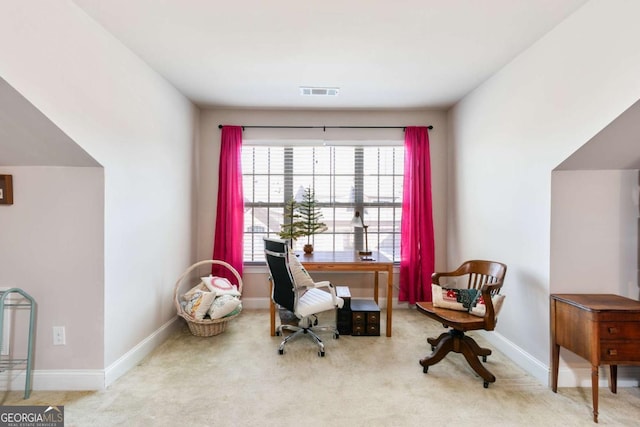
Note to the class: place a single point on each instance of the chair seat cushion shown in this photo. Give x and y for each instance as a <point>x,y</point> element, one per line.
<point>315,301</point>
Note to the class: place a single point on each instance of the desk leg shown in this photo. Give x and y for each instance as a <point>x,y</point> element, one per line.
<point>594,391</point>
<point>555,347</point>
<point>555,360</point>
<point>613,378</point>
<point>375,288</point>
<point>389,299</point>
<point>272,311</point>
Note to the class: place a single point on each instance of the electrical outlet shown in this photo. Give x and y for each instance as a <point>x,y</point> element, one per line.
<point>58,335</point>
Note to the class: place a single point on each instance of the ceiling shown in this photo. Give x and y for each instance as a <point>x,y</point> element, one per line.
<point>256,54</point>
<point>381,54</point>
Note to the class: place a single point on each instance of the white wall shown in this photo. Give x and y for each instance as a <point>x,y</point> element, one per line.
<point>255,279</point>
<point>594,232</point>
<point>510,133</point>
<point>142,131</point>
<point>52,246</point>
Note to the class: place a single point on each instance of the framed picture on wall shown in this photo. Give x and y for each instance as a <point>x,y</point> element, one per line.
<point>6,189</point>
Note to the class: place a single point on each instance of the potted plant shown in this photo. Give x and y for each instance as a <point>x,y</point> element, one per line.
<point>292,228</point>
<point>309,217</point>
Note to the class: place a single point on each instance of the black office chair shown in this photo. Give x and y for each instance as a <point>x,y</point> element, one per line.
<point>294,290</point>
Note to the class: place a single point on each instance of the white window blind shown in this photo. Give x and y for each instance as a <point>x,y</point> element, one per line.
<point>345,177</point>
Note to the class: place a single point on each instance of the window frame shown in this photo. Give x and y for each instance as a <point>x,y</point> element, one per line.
<point>358,204</point>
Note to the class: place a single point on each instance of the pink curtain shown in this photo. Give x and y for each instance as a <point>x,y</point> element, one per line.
<point>228,245</point>
<point>417,256</point>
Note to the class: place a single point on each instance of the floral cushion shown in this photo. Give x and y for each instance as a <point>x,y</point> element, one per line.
<point>235,311</point>
<point>199,287</point>
<point>199,304</point>
<point>222,306</point>
<point>454,299</point>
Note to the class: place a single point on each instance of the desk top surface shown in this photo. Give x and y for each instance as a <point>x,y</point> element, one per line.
<point>341,258</point>
<point>599,302</point>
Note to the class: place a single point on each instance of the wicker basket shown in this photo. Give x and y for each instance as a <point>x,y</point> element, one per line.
<point>205,327</point>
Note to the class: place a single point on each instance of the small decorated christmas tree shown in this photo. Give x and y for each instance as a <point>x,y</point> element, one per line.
<point>292,227</point>
<point>310,216</point>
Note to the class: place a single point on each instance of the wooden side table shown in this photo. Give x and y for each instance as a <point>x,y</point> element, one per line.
<point>602,328</point>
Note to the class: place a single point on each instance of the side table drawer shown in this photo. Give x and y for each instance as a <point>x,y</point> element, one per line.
<point>373,329</point>
<point>359,329</point>
<point>619,351</point>
<point>619,331</point>
<point>373,317</point>
<point>359,317</point>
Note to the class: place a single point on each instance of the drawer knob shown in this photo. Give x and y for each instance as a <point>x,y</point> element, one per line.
<point>612,352</point>
<point>613,330</point>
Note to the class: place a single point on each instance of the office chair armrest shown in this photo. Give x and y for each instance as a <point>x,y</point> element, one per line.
<point>331,289</point>
<point>322,284</point>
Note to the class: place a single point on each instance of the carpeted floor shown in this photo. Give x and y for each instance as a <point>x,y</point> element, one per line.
<point>238,379</point>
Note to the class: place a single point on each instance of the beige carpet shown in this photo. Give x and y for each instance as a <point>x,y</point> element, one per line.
<point>238,379</point>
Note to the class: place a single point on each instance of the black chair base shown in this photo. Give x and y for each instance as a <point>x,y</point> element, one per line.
<point>457,342</point>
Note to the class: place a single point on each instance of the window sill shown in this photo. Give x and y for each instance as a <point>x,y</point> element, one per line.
<point>261,268</point>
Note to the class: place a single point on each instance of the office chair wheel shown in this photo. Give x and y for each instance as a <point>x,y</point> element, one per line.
<point>277,333</point>
<point>321,353</point>
<point>281,351</point>
<point>486,384</point>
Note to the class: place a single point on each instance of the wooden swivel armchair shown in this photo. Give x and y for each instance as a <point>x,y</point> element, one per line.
<point>486,277</point>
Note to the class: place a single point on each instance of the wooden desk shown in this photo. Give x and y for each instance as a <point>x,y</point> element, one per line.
<point>348,261</point>
<point>602,328</point>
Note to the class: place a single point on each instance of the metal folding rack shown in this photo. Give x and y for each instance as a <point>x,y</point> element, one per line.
<point>7,363</point>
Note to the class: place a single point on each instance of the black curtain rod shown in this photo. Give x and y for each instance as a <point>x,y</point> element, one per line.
<point>325,127</point>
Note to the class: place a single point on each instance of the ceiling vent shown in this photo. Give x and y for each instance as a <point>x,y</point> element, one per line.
<point>319,91</point>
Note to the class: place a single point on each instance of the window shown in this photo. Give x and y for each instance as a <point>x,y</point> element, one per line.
<point>345,177</point>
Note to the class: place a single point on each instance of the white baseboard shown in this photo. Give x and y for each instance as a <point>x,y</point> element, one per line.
<point>55,380</point>
<point>580,376</point>
<point>88,379</point>
<point>575,375</point>
<point>255,303</point>
<point>139,352</point>
<point>533,366</point>
<point>98,379</point>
